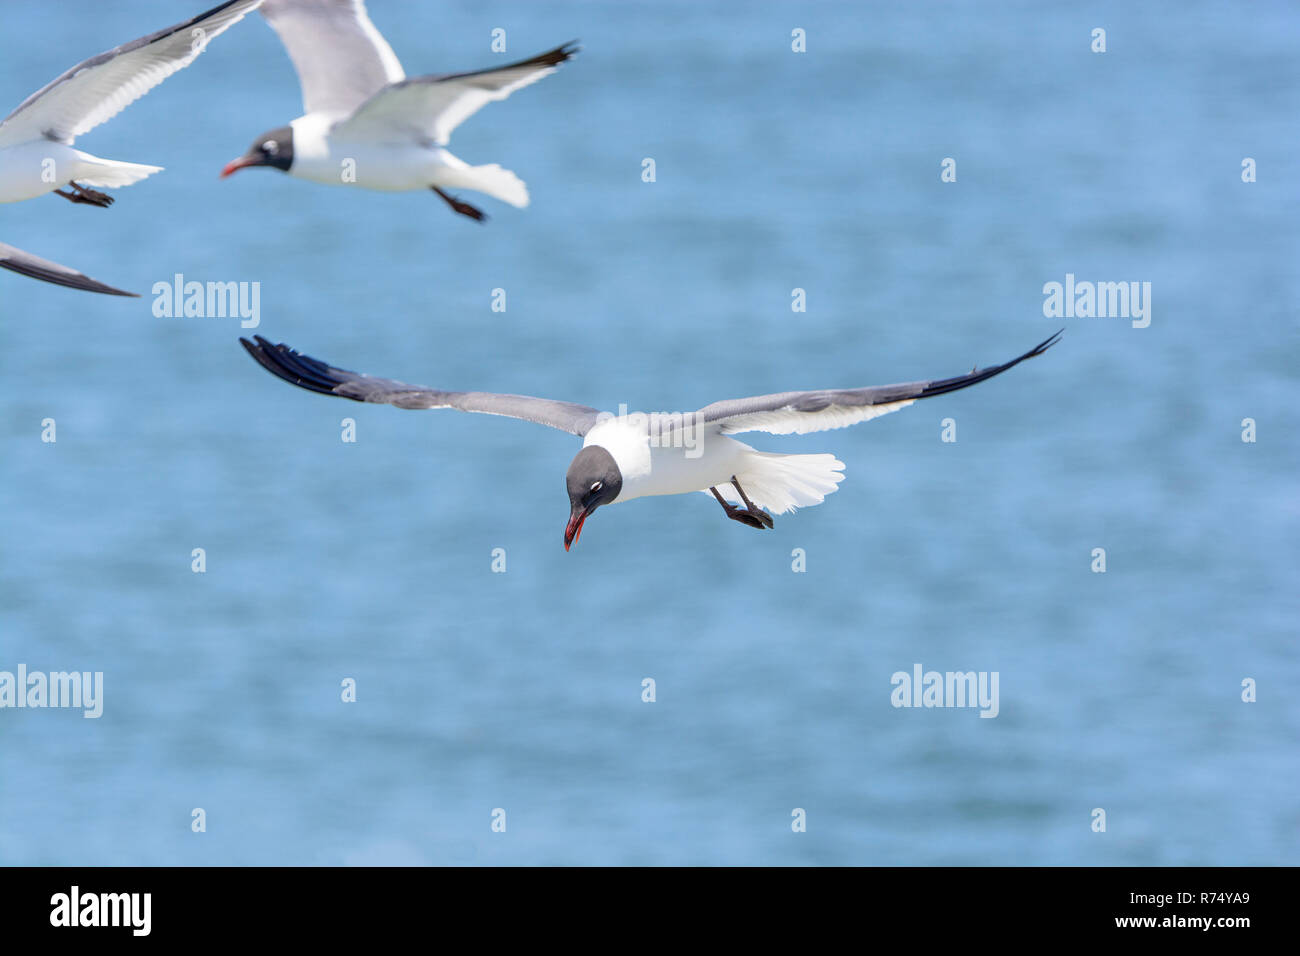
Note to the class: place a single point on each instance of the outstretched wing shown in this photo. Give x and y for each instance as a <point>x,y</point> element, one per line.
<point>341,59</point>
<point>430,107</point>
<point>29,265</point>
<point>316,376</point>
<point>798,413</point>
<point>95,91</point>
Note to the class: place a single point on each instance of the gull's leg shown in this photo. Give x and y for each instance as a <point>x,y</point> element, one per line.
<point>80,194</point>
<point>737,514</point>
<point>92,196</point>
<point>464,208</point>
<point>758,513</point>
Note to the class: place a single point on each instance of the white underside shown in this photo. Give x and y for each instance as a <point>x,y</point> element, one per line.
<point>393,167</point>
<point>35,168</point>
<point>779,483</point>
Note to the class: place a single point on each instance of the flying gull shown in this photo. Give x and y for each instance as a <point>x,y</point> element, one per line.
<point>366,124</point>
<point>631,456</point>
<point>36,140</point>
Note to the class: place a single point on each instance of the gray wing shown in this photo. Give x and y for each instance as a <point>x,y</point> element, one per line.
<point>430,107</point>
<point>316,376</point>
<point>27,264</point>
<point>340,58</point>
<point>96,90</point>
<point>798,413</point>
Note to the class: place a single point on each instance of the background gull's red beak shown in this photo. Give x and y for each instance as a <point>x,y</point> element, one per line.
<point>236,164</point>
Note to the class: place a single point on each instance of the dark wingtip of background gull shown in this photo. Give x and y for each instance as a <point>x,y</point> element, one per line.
<point>24,263</point>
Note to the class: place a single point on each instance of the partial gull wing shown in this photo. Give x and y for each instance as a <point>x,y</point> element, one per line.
<point>798,413</point>
<point>341,59</point>
<point>95,91</point>
<point>27,264</point>
<point>315,376</point>
<point>430,107</point>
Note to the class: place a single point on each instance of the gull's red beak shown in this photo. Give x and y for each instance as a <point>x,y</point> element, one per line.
<point>236,164</point>
<point>573,529</point>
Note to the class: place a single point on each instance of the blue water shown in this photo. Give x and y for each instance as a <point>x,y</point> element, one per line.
<point>522,690</point>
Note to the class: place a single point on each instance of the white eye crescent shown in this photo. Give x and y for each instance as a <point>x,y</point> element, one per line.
<point>596,486</point>
<point>271,146</point>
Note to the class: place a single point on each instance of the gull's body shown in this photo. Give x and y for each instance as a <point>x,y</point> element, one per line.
<point>651,464</point>
<point>37,151</point>
<point>387,167</point>
<point>625,457</point>
<point>366,124</point>
<point>24,166</point>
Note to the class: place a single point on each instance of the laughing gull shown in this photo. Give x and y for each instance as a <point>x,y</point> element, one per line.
<point>631,456</point>
<point>36,151</point>
<point>366,124</point>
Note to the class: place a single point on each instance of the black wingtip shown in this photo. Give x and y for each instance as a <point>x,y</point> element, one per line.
<point>984,374</point>
<point>1038,349</point>
<point>57,275</point>
<point>294,367</point>
<point>87,284</point>
<point>1044,345</point>
<point>562,53</point>
<point>109,290</point>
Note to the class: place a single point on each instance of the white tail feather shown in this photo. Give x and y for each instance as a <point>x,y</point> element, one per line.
<point>782,483</point>
<point>496,182</point>
<point>110,173</point>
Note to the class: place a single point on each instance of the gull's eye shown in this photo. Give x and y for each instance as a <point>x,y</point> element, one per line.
<point>271,146</point>
<point>596,485</point>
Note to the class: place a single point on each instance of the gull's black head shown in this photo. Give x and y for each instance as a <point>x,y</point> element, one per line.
<point>273,149</point>
<point>593,480</point>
